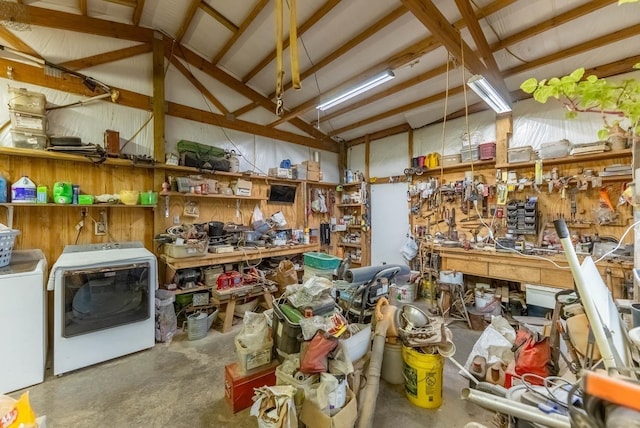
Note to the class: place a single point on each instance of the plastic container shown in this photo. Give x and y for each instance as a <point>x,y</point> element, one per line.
<point>449,160</point>
<point>540,295</point>
<point>23,191</point>
<point>556,149</point>
<point>469,154</point>
<point>321,260</point>
<point>28,122</point>
<point>250,360</point>
<point>186,250</point>
<point>487,151</point>
<point>406,293</point>
<point>392,364</point>
<point>148,198</point>
<point>29,140</point>
<point>359,343</point>
<point>26,101</point>
<point>3,189</point>
<point>423,378</point>
<point>7,240</point>
<point>520,154</point>
<point>451,277</point>
<point>310,272</point>
<point>285,333</point>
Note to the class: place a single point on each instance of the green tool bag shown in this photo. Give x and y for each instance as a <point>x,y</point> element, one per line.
<point>202,156</point>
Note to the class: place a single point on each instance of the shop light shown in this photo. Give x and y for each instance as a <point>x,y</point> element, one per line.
<point>488,93</point>
<point>357,90</point>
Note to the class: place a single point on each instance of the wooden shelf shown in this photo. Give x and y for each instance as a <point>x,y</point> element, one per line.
<point>44,154</point>
<point>480,164</point>
<point>76,205</point>
<point>612,154</point>
<point>354,184</point>
<point>348,205</point>
<point>196,171</point>
<point>193,290</point>
<point>350,245</point>
<point>240,255</point>
<point>214,195</point>
<point>615,178</point>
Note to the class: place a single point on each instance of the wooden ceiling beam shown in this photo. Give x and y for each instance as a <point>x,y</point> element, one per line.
<point>190,113</point>
<point>317,16</point>
<point>84,24</point>
<point>469,16</point>
<point>17,43</point>
<point>128,3</point>
<point>243,27</point>
<point>193,7</point>
<point>83,7</point>
<point>137,13</point>
<point>405,127</point>
<point>212,70</point>
<point>576,49</point>
<point>563,18</point>
<point>106,57</point>
<point>219,17</point>
<point>199,86</point>
<point>405,56</point>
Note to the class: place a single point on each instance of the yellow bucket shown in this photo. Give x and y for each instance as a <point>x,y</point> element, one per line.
<point>423,378</point>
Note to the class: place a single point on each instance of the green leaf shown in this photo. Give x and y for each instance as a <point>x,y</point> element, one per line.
<point>554,81</point>
<point>577,74</point>
<point>603,134</point>
<point>529,85</point>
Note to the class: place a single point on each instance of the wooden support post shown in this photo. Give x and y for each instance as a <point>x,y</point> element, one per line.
<point>504,130</point>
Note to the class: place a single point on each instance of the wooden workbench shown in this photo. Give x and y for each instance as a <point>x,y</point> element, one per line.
<point>524,269</point>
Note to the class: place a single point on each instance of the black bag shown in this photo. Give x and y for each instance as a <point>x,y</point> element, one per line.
<point>205,162</point>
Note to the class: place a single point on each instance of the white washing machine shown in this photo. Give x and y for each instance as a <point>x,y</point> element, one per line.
<point>23,317</point>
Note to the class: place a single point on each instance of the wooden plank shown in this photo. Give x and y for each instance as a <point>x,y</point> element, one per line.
<point>470,267</point>
<point>555,278</point>
<point>219,17</point>
<point>106,57</point>
<point>241,30</point>
<point>198,85</point>
<point>137,12</point>
<point>193,7</point>
<point>158,98</point>
<point>17,43</point>
<point>504,130</point>
<point>514,272</point>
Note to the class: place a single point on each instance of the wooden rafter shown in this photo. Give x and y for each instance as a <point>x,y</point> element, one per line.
<point>563,18</point>
<point>128,3</point>
<point>219,17</point>
<point>137,13</point>
<point>212,70</point>
<point>243,27</point>
<point>198,85</point>
<point>106,57</point>
<point>83,7</point>
<point>405,127</point>
<point>84,24</point>
<point>193,7</point>
<point>317,16</point>
<point>17,43</point>
<point>466,10</point>
<point>405,56</point>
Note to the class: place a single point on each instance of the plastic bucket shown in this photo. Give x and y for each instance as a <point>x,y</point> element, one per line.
<point>392,364</point>
<point>423,378</point>
<point>406,293</point>
<point>199,323</point>
<point>483,298</point>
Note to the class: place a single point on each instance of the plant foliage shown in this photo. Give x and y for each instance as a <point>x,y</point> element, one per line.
<point>590,94</point>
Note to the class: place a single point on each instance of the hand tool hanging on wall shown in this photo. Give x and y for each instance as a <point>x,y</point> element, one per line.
<point>293,51</point>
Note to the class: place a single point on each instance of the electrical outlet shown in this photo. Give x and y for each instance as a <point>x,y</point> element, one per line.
<point>101,226</point>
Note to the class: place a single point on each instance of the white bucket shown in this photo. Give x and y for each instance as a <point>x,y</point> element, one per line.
<point>406,293</point>
<point>392,364</point>
<point>451,277</point>
<point>484,299</point>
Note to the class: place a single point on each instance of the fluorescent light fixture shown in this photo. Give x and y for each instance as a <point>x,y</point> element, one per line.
<point>357,90</point>
<point>488,93</point>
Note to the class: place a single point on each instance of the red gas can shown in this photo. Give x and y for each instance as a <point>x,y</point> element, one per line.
<point>229,280</point>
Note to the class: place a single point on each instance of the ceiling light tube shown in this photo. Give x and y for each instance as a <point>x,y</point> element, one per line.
<point>357,90</point>
<point>488,93</point>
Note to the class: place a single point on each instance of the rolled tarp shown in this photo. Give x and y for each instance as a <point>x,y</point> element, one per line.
<point>365,274</point>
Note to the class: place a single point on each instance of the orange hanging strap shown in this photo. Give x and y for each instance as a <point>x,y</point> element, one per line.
<point>279,64</point>
<point>293,46</point>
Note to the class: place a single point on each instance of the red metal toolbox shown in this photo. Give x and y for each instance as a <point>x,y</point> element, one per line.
<point>238,385</point>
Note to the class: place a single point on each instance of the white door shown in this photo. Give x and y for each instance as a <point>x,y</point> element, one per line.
<point>389,222</point>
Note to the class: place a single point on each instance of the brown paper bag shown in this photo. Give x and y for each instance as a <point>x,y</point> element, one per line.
<point>286,275</point>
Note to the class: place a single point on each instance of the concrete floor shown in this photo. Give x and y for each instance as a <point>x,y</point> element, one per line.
<point>182,385</point>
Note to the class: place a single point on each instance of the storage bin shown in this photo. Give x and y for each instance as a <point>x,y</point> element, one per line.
<point>28,140</point>
<point>285,333</point>
<point>239,386</point>
<point>310,272</point>
<point>186,250</point>
<point>555,149</point>
<point>487,151</point>
<point>7,240</point>
<point>250,360</point>
<point>321,260</point>
<point>469,154</point>
<point>540,295</point>
<point>26,101</point>
<point>520,154</point>
<point>28,122</point>
<point>449,160</point>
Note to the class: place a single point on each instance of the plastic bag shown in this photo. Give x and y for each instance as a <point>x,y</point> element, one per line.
<point>274,407</point>
<point>409,249</point>
<point>254,333</point>
<point>166,320</point>
<point>16,413</point>
<point>493,346</point>
<point>532,354</point>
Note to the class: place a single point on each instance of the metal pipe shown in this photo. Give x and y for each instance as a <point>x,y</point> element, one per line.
<point>515,408</point>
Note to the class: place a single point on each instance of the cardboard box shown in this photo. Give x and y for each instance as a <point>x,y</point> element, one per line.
<point>300,172</point>
<point>280,172</point>
<point>243,187</point>
<point>313,175</point>
<point>238,385</point>
<point>312,166</point>
<point>313,417</point>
